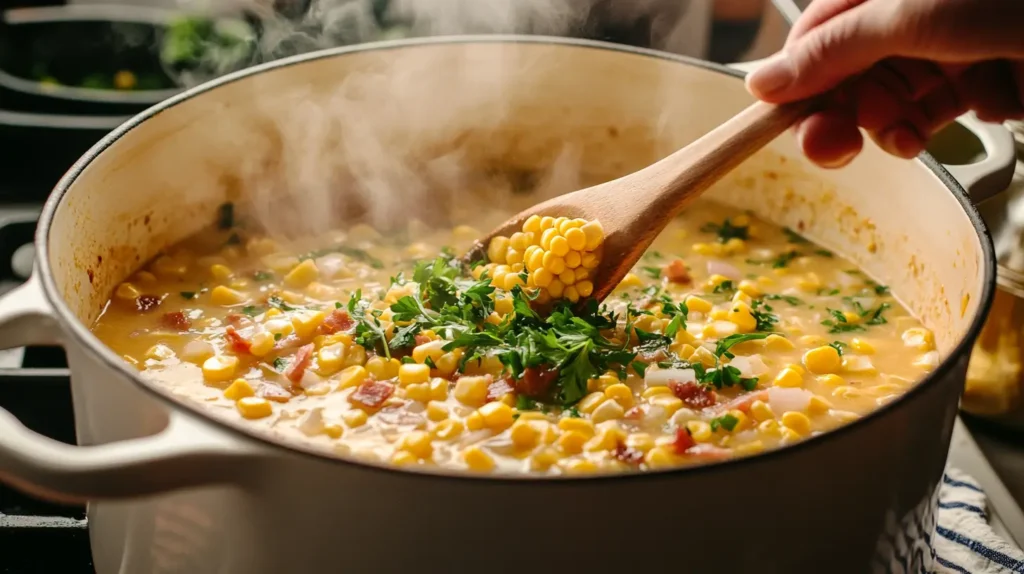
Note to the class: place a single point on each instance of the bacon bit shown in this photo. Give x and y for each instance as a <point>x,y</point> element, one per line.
<point>743,402</point>
<point>676,272</point>
<point>627,454</point>
<point>422,339</point>
<point>693,395</point>
<point>238,343</point>
<point>177,320</point>
<point>684,442</point>
<point>338,320</point>
<point>146,303</point>
<point>498,389</point>
<point>536,381</point>
<point>298,365</point>
<point>273,392</point>
<point>398,416</point>
<point>235,319</point>
<point>371,394</point>
<point>708,452</point>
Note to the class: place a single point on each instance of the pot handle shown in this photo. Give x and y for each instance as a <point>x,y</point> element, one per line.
<point>188,452</point>
<point>982,179</point>
<point>993,174</point>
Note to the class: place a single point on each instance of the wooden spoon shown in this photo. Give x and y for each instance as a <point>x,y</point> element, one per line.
<point>635,208</point>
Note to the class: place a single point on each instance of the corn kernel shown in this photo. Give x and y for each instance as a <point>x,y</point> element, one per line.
<point>220,368</point>
<point>798,422</point>
<point>383,369</point>
<point>261,343</point>
<point>220,272</point>
<point>404,458</point>
<point>306,323</point>
<point>471,391</point>
<point>571,442</point>
<point>919,338</point>
<point>741,315</point>
<point>589,260</point>
<point>419,392</point>
<point>606,439</point>
<point>741,297</point>
<point>544,459</point>
<point>413,373</point>
<point>822,360</point>
<point>769,428</point>
<point>556,288</point>
<point>478,460</point>
<point>497,248</point>
<point>655,391</point>
<point>553,263</point>
<point>581,425</point>
<point>861,346</point>
<point>559,246</point>
<point>594,233</point>
<point>352,376</point>
<point>302,274</point>
<point>591,402</point>
<point>254,407</point>
<point>640,441</point>
<point>584,288</point>
<point>126,292</point>
<point>609,410</point>
<point>698,305</point>
<point>497,415</point>
<point>437,411</point>
<point>160,352</point>
<point>832,380</point>
<point>239,390</point>
<point>579,466</point>
<point>761,411</point>
<point>778,343</point>
<point>818,405</point>
<point>438,389</point>
<point>748,448</point>
<point>789,377</point>
<point>659,457</point>
<point>532,224</point>
<point>524,435</point>
<point>629,281</point>
<point>225,296</point>
<point>334,430</point>
<point>700,431</point>
<point>620,393</point>
<point>418,443</point>
<point>809,282</point>
<point>354,418</point>
<point>448,429</point>
<point>705,249</point>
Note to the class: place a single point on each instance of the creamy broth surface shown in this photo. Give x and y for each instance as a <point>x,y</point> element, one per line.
<point>742,337</point>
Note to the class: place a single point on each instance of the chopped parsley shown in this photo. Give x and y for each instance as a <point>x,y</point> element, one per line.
<point>188,294</point>
<point>262,276</point>
<point>723,346</point>
<point>793,236</point>
<point>252,310</point>
<point>794,301</point>
<point>429,362</point>
<point>824,253</point>
<point>726,230</point>
<point>640,367</point>
<point>824,291</point>
<point>280,364</point>
<point>725,288</point>
<point>779,262</point>
<point>727,422</point>
<point>279,304</point>
<point>839,324</point>
<point>762,313</point>
<point>233,239</point>
<point>653,255</point>
<point>653,272</point>
<point>839,346</point>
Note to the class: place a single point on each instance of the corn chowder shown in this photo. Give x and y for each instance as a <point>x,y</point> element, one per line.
<point>731,336</point>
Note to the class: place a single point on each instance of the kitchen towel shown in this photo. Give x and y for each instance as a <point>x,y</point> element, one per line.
<point>962,540</point>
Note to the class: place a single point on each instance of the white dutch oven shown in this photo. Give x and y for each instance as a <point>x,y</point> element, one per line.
<point>173,488</point>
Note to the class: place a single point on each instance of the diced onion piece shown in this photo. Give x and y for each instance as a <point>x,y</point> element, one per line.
<point>750,366</point>
<point>858,364</point>
<point>784,399</point>
<point>662,377</point>
<point>312,423</point>
<point>717,267</point>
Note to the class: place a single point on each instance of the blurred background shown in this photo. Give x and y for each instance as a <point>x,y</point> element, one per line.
<point>72,71</point>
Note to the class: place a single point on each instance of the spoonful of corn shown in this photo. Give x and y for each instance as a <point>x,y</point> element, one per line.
<point>580,245</point>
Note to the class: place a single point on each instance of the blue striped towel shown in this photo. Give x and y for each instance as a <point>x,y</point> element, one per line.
<point>963,541</point>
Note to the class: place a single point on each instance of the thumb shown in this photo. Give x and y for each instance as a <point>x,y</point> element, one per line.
<point>828,54</point>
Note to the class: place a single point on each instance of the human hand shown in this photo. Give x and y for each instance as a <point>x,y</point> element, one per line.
<point>900,69</point>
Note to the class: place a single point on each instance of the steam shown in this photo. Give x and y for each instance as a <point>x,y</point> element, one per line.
<point>409,134</point>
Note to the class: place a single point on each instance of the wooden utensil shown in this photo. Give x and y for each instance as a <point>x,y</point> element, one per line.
<point>635,208</point>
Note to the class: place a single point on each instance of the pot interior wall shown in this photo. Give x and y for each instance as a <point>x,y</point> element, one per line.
<point>405,131</point>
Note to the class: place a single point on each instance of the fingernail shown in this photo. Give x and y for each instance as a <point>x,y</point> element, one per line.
<point>903,142</point>
<point>841,161</point>
<point>773,76</point>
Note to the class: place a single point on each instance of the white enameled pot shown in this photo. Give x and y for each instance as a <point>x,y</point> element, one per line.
<point>174,488</point>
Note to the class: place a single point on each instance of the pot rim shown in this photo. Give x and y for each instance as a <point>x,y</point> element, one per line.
<point>81,334</point>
